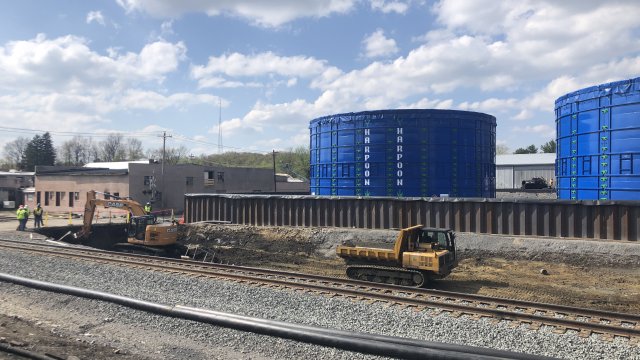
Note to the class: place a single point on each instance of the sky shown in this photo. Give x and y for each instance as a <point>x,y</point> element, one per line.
<point>264,69</point>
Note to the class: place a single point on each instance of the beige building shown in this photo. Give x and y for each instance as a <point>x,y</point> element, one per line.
<point>64,189</point>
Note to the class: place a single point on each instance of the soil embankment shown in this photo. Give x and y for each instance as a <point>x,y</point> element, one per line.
<point>595,274</point>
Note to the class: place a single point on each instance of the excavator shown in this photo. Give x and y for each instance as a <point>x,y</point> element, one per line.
<point>419,254</point>
<point>144,234</point>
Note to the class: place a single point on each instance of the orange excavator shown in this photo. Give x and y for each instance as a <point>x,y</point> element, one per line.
<point>144,234</point>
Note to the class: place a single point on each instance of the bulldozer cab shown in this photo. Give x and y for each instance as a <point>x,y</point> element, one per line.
<point>138,226</point>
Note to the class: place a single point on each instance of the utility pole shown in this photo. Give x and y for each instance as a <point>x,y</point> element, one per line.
<point>164,147</point>
<point>275,189</point>
<point>220,149</point>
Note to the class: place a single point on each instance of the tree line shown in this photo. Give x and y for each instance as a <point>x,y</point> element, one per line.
<point>24,154</point>
<point>548,147</point>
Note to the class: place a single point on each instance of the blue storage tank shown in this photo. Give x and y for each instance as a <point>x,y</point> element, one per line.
<point>598,142</point>
<point>404,153</point>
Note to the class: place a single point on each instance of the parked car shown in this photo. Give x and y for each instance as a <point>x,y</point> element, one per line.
<point>535,183</point>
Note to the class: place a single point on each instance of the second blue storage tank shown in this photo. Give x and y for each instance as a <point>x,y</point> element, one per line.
<point>410,153</point>
<point>598,142</point>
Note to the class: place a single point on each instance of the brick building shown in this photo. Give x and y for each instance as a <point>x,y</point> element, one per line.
<point>63,189</point>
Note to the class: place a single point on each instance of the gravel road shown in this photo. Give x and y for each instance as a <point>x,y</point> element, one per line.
<point>154,337</point>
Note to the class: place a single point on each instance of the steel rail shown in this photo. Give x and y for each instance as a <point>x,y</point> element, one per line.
<point>368,291</point>
<point>351,341</point>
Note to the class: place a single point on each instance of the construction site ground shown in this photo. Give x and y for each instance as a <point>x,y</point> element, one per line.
<point>591,274</point>
<point>607,279</point>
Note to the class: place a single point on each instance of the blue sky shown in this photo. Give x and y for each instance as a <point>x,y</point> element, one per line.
<point>140,67</point>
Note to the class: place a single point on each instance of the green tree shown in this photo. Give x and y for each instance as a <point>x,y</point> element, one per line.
<point>294,162</point>
<point>548,147</point>
<point>39,151</point>
<point>531,149</point>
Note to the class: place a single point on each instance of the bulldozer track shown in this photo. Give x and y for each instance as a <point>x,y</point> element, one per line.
<point>585,322</point>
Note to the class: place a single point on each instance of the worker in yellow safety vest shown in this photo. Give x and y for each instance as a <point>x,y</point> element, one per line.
<point>22,218</point>
<point>147,208</point>
<point>37,216</point>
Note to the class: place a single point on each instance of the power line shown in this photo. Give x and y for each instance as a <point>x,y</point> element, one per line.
<point>75,133</point>
<point>124,134</point>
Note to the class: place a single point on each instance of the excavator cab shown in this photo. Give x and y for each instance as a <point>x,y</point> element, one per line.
<point>138,226</point>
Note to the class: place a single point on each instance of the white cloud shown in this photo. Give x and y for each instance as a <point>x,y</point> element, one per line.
<point>62,84</point>
<point>378,45</point>
<point>95,16</point>
<point>258,12</point>
<point>166,27</point>
<point>67,63</point>
<point>263,64</point>
<point>237,64</point>
<point>384,6</point>
<point>150,100</point>
<point>542,129</point>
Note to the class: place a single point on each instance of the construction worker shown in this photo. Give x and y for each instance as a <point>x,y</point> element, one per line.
<point>147,208</point>
<point>22,218</point>
<point>37,216</point>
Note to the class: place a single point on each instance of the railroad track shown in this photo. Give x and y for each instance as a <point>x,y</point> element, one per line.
<point>609,325</point>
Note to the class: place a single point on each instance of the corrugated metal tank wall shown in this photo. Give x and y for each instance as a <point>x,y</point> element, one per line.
<point>403,153</point>
<point>598,138</point>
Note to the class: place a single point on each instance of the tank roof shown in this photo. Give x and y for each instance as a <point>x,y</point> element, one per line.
<point>592,92</point>
<point>439,112</point>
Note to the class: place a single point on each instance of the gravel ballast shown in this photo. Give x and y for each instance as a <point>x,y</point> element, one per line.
<point>154,336</point>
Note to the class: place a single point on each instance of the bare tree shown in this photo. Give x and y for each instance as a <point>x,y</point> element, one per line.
<point>134,149</point>
<point>112,148</point>
<point>172,156</point>
<point>76,152</point>
<point>502,150</point>
<point>15,151</point>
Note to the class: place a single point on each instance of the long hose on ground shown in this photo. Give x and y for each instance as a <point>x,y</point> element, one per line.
<point>351,341</point>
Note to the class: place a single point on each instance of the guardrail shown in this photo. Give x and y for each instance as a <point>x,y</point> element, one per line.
<point>611,220</point>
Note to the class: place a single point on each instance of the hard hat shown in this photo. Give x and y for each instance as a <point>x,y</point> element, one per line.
<point>38,204</point>
<point>148,203</point>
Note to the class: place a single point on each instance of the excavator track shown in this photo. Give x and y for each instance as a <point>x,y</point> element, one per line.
<point>388,275</point>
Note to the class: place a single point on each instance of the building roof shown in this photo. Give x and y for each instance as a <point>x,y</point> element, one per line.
<point>115,165</point>
<point>75,171</point>
<point>526,159</point>
<point>17,173</point>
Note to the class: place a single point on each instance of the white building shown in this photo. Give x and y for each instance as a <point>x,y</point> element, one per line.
<point>512,169</point>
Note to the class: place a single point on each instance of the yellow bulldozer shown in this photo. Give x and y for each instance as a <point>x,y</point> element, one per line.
<point>144,234</point>
<point>418,255</point>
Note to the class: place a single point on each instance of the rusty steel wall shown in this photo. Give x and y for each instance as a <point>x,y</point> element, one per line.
<point>611,220</point>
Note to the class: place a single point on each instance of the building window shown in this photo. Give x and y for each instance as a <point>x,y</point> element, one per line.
<point>76,196</point>
<point>46,198</point>
<point>221,176</point>
<point>147,180</point>
<point>57,198</point>
<point>209,179</point>
<point>189,180</point>
<point>71,197</point>
<point>116,195</point>
<point>29,197</point>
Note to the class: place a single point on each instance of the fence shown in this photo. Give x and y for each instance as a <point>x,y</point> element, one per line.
<point>612,220</point>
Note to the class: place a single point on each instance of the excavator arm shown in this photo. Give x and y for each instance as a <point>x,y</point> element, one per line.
<point>90,207</point>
